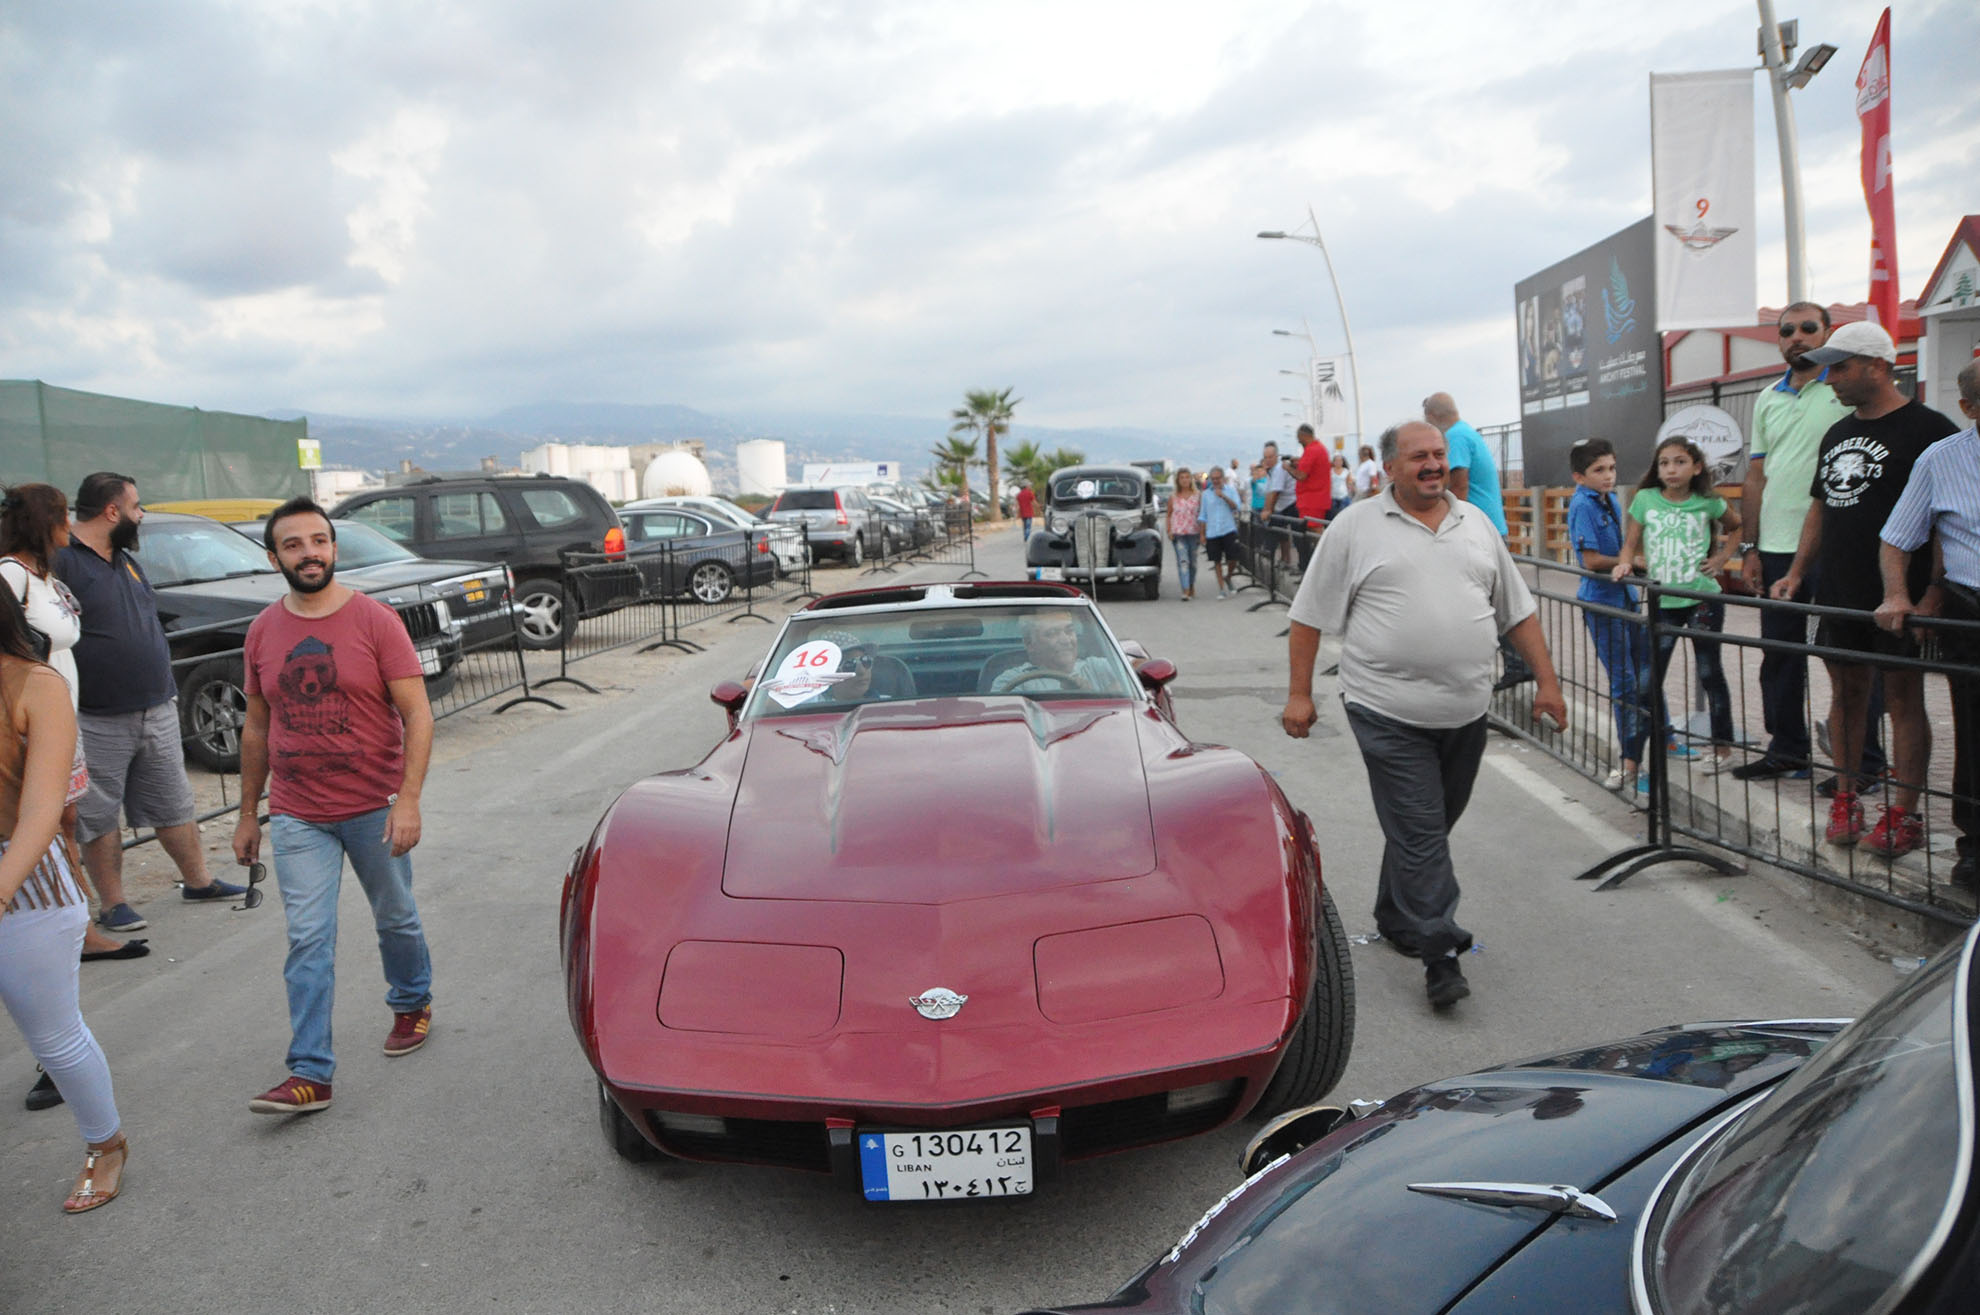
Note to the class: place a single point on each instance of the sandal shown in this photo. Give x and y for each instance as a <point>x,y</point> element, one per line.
<point>88,1195</point>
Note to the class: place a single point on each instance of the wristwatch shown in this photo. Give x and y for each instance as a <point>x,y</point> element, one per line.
<point>1746,548</point>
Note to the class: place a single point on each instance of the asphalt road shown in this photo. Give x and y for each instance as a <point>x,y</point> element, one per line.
<point>472,1174</point>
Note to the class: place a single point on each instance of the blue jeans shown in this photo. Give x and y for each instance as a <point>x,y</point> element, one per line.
<point>1693,622</point>
<point>309,867</point>
<point>1624,650</point>
<point>1185,546</point>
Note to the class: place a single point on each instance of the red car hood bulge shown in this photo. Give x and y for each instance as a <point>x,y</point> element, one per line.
<point>939,800</point>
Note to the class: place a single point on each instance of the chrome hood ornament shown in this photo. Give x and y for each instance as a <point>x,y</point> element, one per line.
<point>938,1002</point>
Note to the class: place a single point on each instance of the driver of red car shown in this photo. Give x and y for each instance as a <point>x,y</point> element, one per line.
<point>1051,650</point>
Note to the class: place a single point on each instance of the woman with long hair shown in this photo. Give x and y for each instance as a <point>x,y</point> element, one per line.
<point>1185,529</point>
<point>34,523</point>
<point>42,911</point>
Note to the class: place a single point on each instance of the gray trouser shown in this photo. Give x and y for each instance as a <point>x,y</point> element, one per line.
<point>1421,779</point>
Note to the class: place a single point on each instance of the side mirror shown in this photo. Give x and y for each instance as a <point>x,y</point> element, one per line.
<point>1156,672</point>
<point>1291,1133</point>
<point>730,695</point>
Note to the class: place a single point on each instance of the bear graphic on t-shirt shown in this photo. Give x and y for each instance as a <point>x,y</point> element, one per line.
<point>314,705</point>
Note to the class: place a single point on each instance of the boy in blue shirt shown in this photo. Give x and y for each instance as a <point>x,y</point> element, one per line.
<point>1595,531</point>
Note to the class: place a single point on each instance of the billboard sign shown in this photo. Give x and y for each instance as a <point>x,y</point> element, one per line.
<point>1590,362</point>
<point>853,472</point>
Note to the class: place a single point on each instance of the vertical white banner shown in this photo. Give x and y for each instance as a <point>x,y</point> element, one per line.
<point>1330,402</point>
<point>1701,164</point>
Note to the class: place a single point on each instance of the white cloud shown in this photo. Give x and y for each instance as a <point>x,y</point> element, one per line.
<point>865,205</point>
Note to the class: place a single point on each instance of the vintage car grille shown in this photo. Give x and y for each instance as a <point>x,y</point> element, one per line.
<point>1138,1121</point>
<point>754,1141</point>
<point>1093,542</point>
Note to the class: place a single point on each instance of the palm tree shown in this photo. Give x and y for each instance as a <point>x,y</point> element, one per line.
<point>952,462</point>
<point>986,413</point>
<point>1060,458</point>
<point>1024,464</point>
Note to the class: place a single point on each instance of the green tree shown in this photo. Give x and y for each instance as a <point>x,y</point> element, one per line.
<point>1025,464</point>
<point>952,462</point>
<point>986,413</point>
<point>1060,458</point>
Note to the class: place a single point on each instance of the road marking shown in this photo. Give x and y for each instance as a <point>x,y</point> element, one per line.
<point>1546,792</point>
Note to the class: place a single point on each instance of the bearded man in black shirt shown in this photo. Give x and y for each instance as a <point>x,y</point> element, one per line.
<point>1865,462</point>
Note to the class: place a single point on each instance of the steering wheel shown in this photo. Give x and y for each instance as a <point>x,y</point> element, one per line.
<point>1057,680</point>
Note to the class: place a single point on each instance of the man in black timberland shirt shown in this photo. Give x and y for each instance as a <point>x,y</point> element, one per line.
<point>1865,462</point>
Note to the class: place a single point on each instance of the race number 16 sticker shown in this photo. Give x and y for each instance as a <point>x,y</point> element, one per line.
<point>808,671</point>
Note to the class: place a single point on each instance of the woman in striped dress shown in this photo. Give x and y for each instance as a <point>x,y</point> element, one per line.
<point>42,913</point>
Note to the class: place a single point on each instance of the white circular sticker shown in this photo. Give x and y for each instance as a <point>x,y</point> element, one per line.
<point>805,673</point>
<point>1087,488</point>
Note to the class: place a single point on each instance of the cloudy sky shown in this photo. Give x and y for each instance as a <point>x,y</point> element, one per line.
<point>442,209</point>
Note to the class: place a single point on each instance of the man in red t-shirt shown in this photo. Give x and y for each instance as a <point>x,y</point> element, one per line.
<point>1313,489</point>
<point>1027,507</point>
<point>337,708</point>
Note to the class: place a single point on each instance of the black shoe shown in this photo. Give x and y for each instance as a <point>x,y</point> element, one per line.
<point>1966,873</point>
<point>1444,982</point>
<point>1768,769</point>
<point>43,1095</point>
<point>1409,946</point>
<point>1826,787</point>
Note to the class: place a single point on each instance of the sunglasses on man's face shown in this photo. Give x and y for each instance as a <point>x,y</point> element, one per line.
<point>257,873</point>
<point>1809,327</point>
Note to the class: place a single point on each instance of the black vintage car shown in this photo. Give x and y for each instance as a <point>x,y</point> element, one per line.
<point>1100,526</point>
<point>1749,1168</point>
<point>211,582</point>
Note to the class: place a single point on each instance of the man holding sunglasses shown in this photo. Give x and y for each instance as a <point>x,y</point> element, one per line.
<point>336,706</point>
<point>1789,420</point>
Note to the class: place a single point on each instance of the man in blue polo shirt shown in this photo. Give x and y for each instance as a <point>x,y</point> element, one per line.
<point>1474,477</point>
<point>128,713</point>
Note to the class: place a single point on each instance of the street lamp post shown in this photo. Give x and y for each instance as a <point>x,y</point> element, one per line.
<point>1354,371</point>
<point>1780,80</point>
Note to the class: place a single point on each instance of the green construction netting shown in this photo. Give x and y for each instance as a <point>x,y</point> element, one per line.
<point>58,435</point>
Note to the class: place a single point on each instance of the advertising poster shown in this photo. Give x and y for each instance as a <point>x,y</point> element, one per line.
<point>1590,362</point>
<point>1701,165</point>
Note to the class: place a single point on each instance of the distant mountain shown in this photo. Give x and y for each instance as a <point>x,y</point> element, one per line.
<point>382,443</point>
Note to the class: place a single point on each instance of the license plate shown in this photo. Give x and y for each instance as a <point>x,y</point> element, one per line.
<point>1051,573</point>
<point>429,662</point>
<point>945,1166</point>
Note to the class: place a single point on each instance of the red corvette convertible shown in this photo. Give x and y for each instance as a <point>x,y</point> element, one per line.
<point>953,901</point>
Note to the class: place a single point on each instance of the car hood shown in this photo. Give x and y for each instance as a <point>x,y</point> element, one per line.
<point>402,575</point>
<point>1330,1215</point>
<point>206,601</point>
<point>939,800</point>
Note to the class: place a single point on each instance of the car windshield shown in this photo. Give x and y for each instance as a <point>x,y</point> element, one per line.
<point>1828,1197</point>
<point>1032,651</point>
<point>358,544</point>
<point>1087,487</point>
<point>175,552</point>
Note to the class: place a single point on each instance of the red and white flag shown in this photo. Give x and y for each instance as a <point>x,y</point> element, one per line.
<point>1873,107</point>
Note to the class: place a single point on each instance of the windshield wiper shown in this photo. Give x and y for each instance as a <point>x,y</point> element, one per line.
<point>215,579</point>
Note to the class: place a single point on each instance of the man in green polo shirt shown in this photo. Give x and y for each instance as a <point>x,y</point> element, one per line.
<point>1789,420</point>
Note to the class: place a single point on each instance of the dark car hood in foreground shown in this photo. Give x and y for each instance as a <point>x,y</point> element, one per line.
<point>988,795</point>
<point>1367,1244</point>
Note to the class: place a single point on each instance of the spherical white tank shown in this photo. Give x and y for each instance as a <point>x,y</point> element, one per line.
<point>760,466</point>
<point>676,474</point>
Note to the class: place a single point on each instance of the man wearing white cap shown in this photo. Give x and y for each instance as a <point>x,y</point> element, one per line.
<point>1865,462</point>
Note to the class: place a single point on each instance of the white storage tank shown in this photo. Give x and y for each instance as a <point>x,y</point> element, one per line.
<point>676,474</point>
<point>760,466</point>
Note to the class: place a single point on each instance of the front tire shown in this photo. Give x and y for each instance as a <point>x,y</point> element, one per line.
<point>711,583</point>
<point>620,1134</point>
<point>212,709</point>
<point>857,552</point>
<point>1317,1055</point>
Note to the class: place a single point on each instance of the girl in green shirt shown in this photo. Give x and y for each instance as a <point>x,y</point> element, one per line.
<point>1671,522</point>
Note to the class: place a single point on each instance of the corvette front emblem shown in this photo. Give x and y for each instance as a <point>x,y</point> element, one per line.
<point>938,1002</point>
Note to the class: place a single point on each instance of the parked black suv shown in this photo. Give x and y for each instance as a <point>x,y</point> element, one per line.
<point>526,522</point>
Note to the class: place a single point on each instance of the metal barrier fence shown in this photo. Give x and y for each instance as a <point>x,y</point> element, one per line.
<point>647,596</point>
<point>1272,557</point>
<point>945,537</point>
<point>1607,662</point>
<point>463,629</point>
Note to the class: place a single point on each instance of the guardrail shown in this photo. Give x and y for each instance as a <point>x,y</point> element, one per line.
<point>945,537</point>
<point>1695,812</point>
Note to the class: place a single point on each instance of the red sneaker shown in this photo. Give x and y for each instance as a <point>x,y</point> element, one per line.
<point>1845,819</point>
<point>1897,832</point>
<point>294,1096</point>
<point>408,1031</point>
